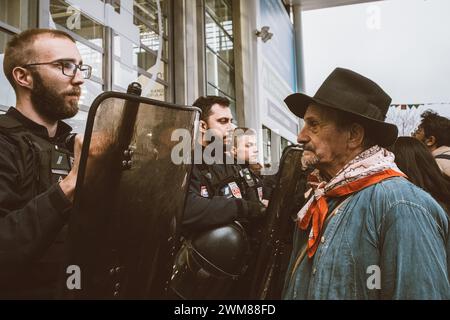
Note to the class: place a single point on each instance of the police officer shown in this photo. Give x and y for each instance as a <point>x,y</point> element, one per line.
<point>215,195</point>
<point>215,252</point>
<point>37,169</point>
<point>245,152</point>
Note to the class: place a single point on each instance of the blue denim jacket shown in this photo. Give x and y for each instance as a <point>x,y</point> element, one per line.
<point>388,241</point>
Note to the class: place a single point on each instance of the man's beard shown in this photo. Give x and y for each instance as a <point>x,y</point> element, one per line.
<point>51,104</point>
<point>309,160</point>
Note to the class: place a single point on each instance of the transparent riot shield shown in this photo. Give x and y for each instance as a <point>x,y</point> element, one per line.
<point>274,253</point>
<point>129,198</point>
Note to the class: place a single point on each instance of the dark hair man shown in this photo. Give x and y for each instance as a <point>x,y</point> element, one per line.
<point>37,179</point>
<point>365,232</point>
<point>216,198</point>
<point>434,132</point>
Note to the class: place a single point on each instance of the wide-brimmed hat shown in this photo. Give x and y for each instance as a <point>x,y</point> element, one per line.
<point>351,92</point>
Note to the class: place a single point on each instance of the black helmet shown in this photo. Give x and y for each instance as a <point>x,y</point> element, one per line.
<point>208,265</point>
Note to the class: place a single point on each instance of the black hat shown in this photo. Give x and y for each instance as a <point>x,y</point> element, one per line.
<point>351,92</point>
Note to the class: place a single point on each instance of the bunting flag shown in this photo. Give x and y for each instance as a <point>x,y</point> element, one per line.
<point>406,106</point>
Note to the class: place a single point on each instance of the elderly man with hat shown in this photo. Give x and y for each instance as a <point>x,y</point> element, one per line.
<point>365,231</point>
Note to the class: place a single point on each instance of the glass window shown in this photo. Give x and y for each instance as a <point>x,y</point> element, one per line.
<point>152,89</point>
<point>19,14</point>
<point>90,90</point>
<point>219,74</point>
<point>147,11</point>
<point>72,19</point>
<point>149,36</point>
<point>220,78</point>
<point>221,11</point>
<point>116,5</point>
<point>141,62</point>
<point>218,41</point>
<point>7,96</point>
<point>123,75</point>
<point>146,60</point>
<point>131,61</point>
<point>267,149</point>
<point>211,91</point>
<point>93,58</point>
<point>143,58</point>
<point>89,44</point>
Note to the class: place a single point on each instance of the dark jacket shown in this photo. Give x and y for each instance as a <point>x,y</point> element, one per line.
<point>30,217</point>
<point>205,208</point>
<point>217,196</point>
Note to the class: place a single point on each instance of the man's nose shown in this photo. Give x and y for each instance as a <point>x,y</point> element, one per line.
<point>302,136</point>
<point>78,78</point>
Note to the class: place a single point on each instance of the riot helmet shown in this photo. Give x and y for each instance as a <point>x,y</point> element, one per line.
<point>209,264</point>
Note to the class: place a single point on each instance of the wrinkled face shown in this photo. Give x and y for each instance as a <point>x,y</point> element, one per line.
<point>220,122</point>
<point>246,149</point>
<point>324,143</point>
<point>54,95</point>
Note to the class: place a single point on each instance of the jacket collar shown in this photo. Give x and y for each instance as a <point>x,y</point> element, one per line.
<point>62,130</point>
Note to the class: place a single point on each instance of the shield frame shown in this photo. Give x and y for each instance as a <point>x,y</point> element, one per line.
<point>274,254</point>
<point>132,102</point>
<point>91,120</point>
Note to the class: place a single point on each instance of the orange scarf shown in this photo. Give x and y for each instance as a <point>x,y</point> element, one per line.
<point>318,210</point>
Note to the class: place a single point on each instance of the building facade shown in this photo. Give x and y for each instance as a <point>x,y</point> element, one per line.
<point>178,50</point>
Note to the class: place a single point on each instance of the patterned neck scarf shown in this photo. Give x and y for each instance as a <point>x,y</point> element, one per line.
<point>369,167</point>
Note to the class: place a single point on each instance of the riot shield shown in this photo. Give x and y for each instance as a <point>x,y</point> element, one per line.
<point>275,249</point>
<point>129,198</point>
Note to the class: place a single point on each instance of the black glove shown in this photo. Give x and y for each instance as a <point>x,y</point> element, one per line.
<point>253,210</point>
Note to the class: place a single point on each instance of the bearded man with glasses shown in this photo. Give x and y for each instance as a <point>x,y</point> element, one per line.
<point>38,160</point>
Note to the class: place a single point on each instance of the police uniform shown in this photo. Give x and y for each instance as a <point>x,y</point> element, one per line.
<point>221,199</point>
<point>253,185</point>
<point>33,208</point>
<point>255,189</point>
<point>217,195</point>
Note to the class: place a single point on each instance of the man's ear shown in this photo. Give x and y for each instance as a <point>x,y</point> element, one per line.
<point>22,77</point>
<point>356,135</point>
<point>203,126</point>
<point>430,141</point>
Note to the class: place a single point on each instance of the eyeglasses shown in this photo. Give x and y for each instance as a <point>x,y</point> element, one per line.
<point>68,68</point>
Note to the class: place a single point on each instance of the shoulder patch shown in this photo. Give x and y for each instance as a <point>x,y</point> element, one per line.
<point>204,192</point>
<point>235,190</point>
<point>260,193</point>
